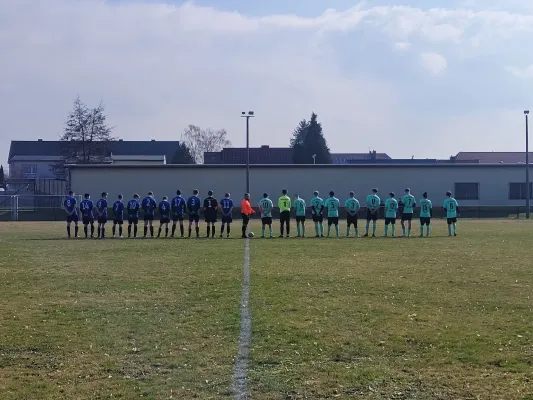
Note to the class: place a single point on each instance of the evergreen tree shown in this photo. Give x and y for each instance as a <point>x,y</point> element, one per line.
<point>183,155</point>
<point>2,177</point>
<point>308,141</point>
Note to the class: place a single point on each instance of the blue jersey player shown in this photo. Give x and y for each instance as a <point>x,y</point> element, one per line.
<point>133,208</point>
<point>178,204</point>
<point>70,205</point>
<point>87,214</point>
<point>165,209</point>
<point>101,209</point>
<point>194,205</point>
<point>118,216</point>
<point>226,206</point>
<point>149,204</point>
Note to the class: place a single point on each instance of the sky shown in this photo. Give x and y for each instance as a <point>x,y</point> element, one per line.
<point>422,78</point>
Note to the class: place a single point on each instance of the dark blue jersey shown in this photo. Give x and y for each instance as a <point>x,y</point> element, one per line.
<point>118,210</point>
<point>178,205</point>
<point>164,208</point>
<point>70,205</point>
<point>149,205</point>
<point>86,208</point>
<point>133,208</point>
<point>101,206</point>
<point>194,204</point>
<point>226,204</point>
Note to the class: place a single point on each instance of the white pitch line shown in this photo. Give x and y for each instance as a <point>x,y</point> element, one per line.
<point>240,377</point>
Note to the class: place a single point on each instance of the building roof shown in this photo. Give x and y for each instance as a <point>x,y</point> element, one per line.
<point>37,148</point>
<point>360,156</point>
<point>494,157</point>
<point>258,155</point>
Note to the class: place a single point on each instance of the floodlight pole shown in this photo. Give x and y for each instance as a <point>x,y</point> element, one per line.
<point>248,115</point>
<point>528,194</point>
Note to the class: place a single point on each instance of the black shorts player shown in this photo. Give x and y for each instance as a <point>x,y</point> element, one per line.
<point>351,219</point>
<point>390,221</point>
<point>407,216</point>
<point>372,215</point>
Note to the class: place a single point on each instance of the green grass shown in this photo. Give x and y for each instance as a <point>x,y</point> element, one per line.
<point>435,318</point>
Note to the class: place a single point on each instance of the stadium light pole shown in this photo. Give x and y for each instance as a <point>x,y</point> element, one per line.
<point>528,194</point>
<point>314,158</point>
<point>247,115</point>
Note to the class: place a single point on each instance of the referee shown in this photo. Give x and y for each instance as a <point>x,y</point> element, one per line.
<point>284,204</point>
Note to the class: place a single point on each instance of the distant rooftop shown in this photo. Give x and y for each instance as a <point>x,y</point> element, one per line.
<point>495,157</point>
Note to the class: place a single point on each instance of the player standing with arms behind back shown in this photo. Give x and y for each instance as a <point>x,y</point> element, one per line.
<point>72,213</point>
<point>352,207</point>
<point>265,207</point>
<point>452,208</point>
<point>332,204</point>
<point>391,206</point>
<point>226,206</point>
<point>193,205</point>
<point>425,214</point>
<point>317,208</point>
<point>299,205</point>
<point>409,203</point>
<point>101,209</point>
<point>149,204</point>
<point>210,213</point>
<point>284,205</point>
<point>372,206</point>
<point>118,216</point>
<point>178,213</point>
<point>133,208</point>
<point>87,215</point>
<point>165,208</point>
<point>246,211</point>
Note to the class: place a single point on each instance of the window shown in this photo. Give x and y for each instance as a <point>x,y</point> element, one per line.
<point>466,191</point>
<point>517,191</point>
<point>29,170</point>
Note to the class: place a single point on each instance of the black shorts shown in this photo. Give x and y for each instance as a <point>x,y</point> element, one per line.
<point>177,217</point>
<point>266,220</point>
<point>72,218</point>
<point>245,219</point>
<point>425,221</point>
<point>227,219</point>
<point>285,216</point>
<point>390,221</point>
<point>118,221</point>
<point>148,217</point>
<point>164,219</point>
<point>407,217</point>
<point>210,216</point>
<point>87,220</point>
<point>318,218</point>
<point>351,219</point>
<point>132,219</point>
<point>300,218</point>
<point>102,220</point>
<point>452,220</point>
<point>194,217</point>
<point>372,216</point>
<point>333,220</point>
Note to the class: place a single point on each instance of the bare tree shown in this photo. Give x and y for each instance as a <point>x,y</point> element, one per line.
<point>199,141</point>
<point>86,135</point>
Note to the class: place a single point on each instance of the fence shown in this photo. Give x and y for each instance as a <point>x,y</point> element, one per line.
<point>50,208</point>
<point>32,208</point>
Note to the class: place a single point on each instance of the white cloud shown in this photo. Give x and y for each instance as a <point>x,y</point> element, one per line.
<point>521,73</point>
<point>402,46</point>
<point>434,63</point>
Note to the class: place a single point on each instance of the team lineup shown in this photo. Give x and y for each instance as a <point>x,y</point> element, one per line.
<point>174,212</point>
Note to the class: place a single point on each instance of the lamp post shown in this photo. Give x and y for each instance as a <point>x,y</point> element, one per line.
<point>528,194</point>
<point>314,158</point>
<point>247,115</point>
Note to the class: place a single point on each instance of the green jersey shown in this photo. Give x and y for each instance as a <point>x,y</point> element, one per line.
<point>450,205</point>
<point>425,208</point>
<point>332,204</point>
<point>391,206</point>
<point>266,206</point>
<point>299,204</point>
<point>352,205</point>
<point>317,204</point>
<point>373,201</point>
<point>409,202</point>
<point>284,203</point>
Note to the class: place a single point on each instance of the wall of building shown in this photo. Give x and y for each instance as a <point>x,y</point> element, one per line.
<point>43,169</point>
<point>163,180</point>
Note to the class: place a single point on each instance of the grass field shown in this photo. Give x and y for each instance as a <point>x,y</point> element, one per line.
<point>432,318</point>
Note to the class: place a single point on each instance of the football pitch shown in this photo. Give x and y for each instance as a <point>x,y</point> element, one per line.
<point>373,318</point>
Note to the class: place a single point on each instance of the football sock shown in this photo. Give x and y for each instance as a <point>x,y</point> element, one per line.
<point>356,232</point>
<point>263,231</point>
<point>166,231</point>
<point>303,229</point>
<point>403,230</point>
<point>281,229</point>
<point>409,231</point>
<point>449,229</point>
<point>159,231</point>
<point>135,231</point>
<point>427,230</point>
<point>213,231</point>
<point>229,229</point>
<point>68,231</point>
<point>454,228</point>
<point>348,230</point>
<point>321,228</point>
<point>173,229</point>
<point>316,228</point>
<point>182,230</point>
<point>374,228</point>
<point>151,231</point>
<point>393,230</point>
<point>208,231</point>
<point>85,230</point>
<point>190,231</point>
<point>244,230</point>
<point>76,229</point>
<point>288,228</point>
<point>92,230</point>
<point>270,229</point>
<point>129,230</point>
<point>329,229</point>
<point>145,231</point>
<point>222,229</point>
<point>386,229</point>
<point>103,231</point>
<point>337,230</point>
<point>367,227</point>
<point>120,230</point>
<point>421,229</point>
<point>113,229</point>
<point>197,231</point>
<point>297,229</point>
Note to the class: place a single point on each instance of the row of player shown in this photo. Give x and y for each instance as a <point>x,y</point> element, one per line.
<point>177,209</point>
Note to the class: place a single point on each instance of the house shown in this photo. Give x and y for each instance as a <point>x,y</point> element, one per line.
<point>493,157</point>
<point>38,159</point>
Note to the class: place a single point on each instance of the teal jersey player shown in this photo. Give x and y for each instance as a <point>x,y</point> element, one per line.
<point>317,204</point>
<point>299,205</point>
<point>425,208</point>
<point>391,207</point>
<point>266,206</point>
<point>452,208</point>
<point>332,205</point>
<point>373,201</point>
<point>409,203</point>
<point>352,205</point>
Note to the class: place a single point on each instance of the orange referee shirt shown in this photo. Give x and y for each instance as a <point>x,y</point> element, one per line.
<point>246,208</point>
